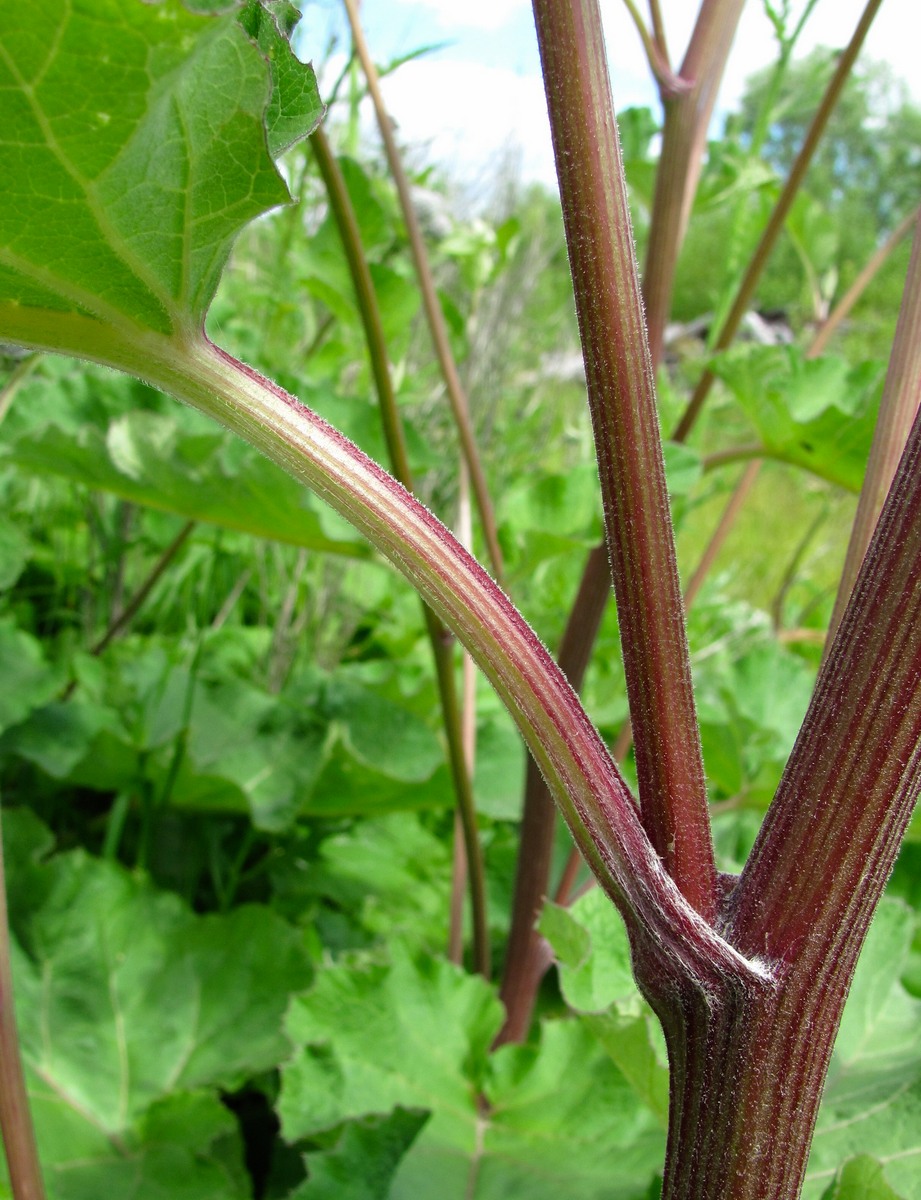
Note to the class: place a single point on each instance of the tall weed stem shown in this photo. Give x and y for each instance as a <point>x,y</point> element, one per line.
<point>623,407</point>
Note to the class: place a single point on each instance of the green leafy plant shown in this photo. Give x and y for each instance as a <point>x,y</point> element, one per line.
<point>138,140</point>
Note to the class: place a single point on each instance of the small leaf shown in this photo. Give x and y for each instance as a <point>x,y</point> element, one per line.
<point>590,942</point>
<point>815,413</point>
<point>295,108</point>
<point>861,1178</point>
<point>362,1163</point>
<point>29,681</point>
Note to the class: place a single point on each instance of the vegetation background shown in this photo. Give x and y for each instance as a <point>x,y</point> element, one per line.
<point>227,810</point>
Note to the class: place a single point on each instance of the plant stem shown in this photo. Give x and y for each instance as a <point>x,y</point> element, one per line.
<point>717,540</point>
<point>658,28</point>
<point>623,406</point>
<point>15,1119</point>
<point>781,209</point>
<point>584,781</point>
<point>831,323</point>
<point>134,605</point>
<point>434,316</point>
<point>898,407</point>
<point>17,377</point>
<point>468,738</point>
<point>687,117</point>
<point>706,57</point>
<point>439,637</point>
<point>748,1070</point>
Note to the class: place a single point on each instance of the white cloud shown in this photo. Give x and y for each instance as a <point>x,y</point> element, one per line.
<point>470,116</point>
<point>472,14</point>
<point>467,115</point>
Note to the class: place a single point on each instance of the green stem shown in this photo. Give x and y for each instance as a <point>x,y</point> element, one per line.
<point>624,415</point>
<point>779,215</point>
<point>439,637</point>
<point>17,377</point>
<point>15,1118</point>
<point>584,781</point>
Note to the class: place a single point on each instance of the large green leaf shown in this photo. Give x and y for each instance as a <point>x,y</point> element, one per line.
<point>328,747</point>
<point>132,1013</point>
<point>872,1100</point>
<point>150,459</point>
<point>133,150</point>
<point>537,1121</point>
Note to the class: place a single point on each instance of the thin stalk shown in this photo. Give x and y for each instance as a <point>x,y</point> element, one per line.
<point>724,527</point>
<point>898,407</point>
<point>684,135</point>
<point>439,637</point>
<point>669,83</point>
<point>779,214</point>
<point>431,304</point>
<point>658,28</point>
<point>231,601</point>
<point>733,454</point>
<point>284,634</point>
<point>15,1118</point>
<point>134,605</point>
<point>623,406</point>
<point>17,377</point>
<point>790,572</point>
<point>832,322</point>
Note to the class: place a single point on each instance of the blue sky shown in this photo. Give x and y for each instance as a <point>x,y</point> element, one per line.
<point>479,100</point>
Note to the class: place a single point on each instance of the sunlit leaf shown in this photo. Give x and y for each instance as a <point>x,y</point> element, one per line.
<point>125,184</point>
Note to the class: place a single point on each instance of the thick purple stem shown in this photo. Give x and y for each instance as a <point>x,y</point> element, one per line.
<point>623,405</point>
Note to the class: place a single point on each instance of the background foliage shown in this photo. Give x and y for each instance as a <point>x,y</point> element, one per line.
<point>227,817</point>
